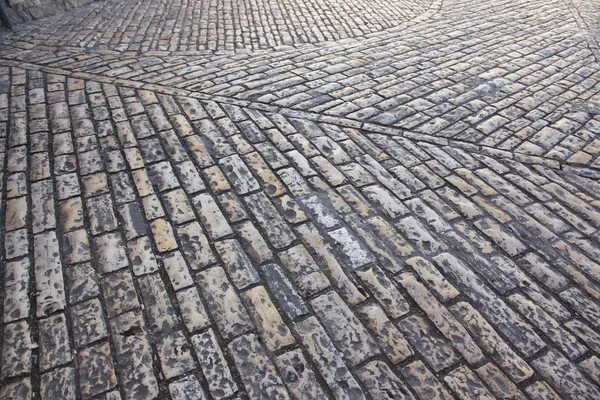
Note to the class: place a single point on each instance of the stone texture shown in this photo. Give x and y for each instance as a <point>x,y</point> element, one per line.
<point>331,199</point>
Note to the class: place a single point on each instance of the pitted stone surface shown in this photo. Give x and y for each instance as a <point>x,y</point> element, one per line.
<point>403,203</point>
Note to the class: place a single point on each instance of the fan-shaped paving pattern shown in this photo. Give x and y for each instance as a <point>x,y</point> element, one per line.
<point>412,214</point>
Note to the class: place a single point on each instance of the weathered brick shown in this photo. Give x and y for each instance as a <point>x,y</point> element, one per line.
<point>175,356</point>
<point>213,364</point>
<point>224,304</point>
<point>387,336</point>
<point>87,323</point>
<point>50,289</point>
<point>271,328</point>
<point>96,370</point>
<point>381,382</point>
<point>323,251</point>
<point>491,342</point>
<point>211,217</point>
<point>564,376</point>
<point>327,360</point>
<point>463,381</point>
<point>239,267</point>
<point>504,318</point>
<point>257,371</point>
<point>423,382</point>
<point>16,345</point>
<point>194,245</point>
<point>344,328</point>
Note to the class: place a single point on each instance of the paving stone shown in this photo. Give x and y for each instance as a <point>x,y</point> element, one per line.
<point>96,370</point>
<point>491,342</point>
<point>298,377</point>
<point>254,243</point>
<point>48,273</point>
<point>380,381</point>
<point>320,211</point>
<point>423,382</point>
<point>353,252</point>
<point>276,229</point>
<point>189,177</point>
<point>442,318</point>
<point>101,214</point>
<point>270,182</point>
<point>58,384</point>
<point>195,246</point>
<point>544,322</point>
<point>390,237</point>
<point>160,312</point>
<point>142,257</point>
<point>585,333</point>
<point>211,216</point>
<point>519,332</point>
<point>323,251</point>
<point>187,388</point>
<point>175,356</point>
<point>16,288</point>
<point>387,336</point>
<point>344,328</point>
<point>239,174</point>
<point>76,246</point>
<point>87,323</point>
<point>431,345</point>
<point>16,213</point>
<point>177,269</point>
<point>54,342</point>
<point>541,390</point>
<point>271,328</point>
<point>119,293</point>
<point>327,360</point>
<point>232,206</point>
<point>239,267</point>
<point>303,270</point>
<point>433,278</point>
<point>499,384</point>
<point>368,141</point>
<point>285,294</point>
<point>258,372</point>
<point>20,388</point>
<point>555,368</point>
<point>163,235</point>
<point>110,252</point>
<point>162,177</point>
<point>216,179</point>
<point>590,366</point>
<point>134,356</point>
<point>464,383</point>
<point>213,364</point>
<point>17,344</point>
<point>224,304</point>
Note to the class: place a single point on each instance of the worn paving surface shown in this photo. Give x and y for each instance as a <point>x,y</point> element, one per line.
<point>302,199</point>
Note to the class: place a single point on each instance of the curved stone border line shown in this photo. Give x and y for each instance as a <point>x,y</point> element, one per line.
<point>350,42</point>
<point>288,112</point>
<point>585,29</point>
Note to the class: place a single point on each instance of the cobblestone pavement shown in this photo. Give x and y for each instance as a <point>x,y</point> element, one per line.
<point>302,199</point>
